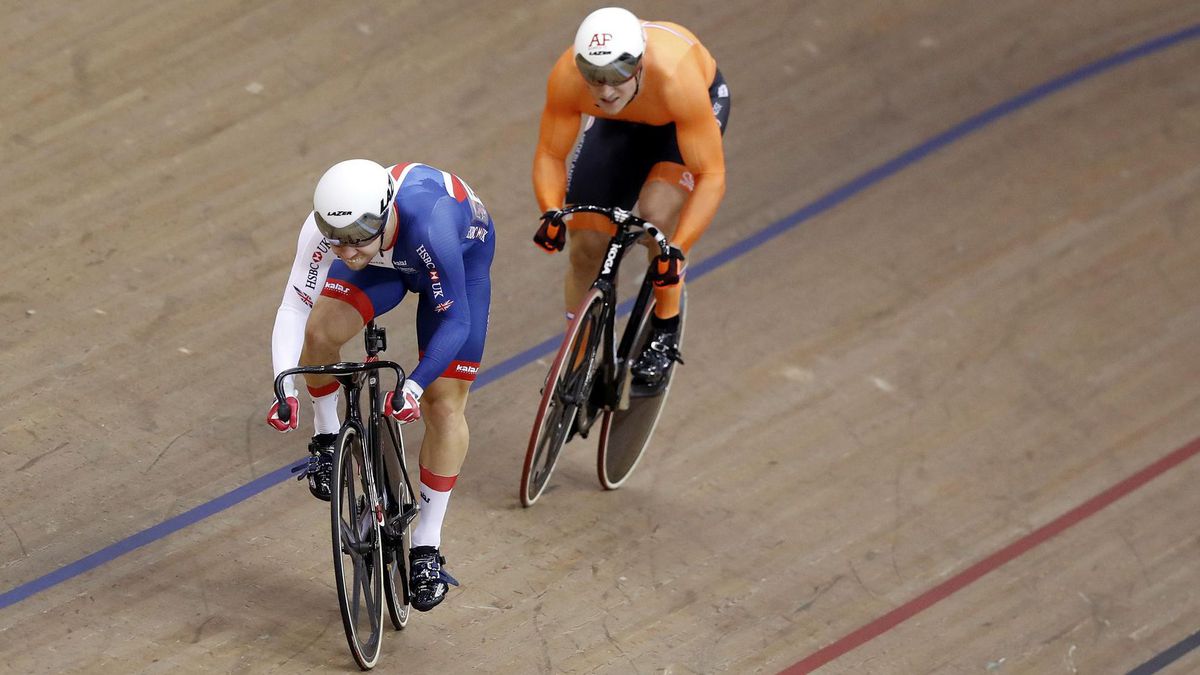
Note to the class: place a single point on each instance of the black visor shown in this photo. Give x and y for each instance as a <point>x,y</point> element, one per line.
<point>364,228</point>
<point>613,73</point>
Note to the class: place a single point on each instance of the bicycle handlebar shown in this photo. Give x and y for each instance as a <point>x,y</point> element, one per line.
<point>620,217</point>
<point>342,368</point>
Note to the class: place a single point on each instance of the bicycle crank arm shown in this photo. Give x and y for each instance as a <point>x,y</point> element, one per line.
<point>398,522</point>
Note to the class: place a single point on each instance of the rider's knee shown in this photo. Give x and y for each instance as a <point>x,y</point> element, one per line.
<point>442,410</point>
<point>586,249</point>
<point>319,336</point>
<point>662,199</point>
<point>330,326</point>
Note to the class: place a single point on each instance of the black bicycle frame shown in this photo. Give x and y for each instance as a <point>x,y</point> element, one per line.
<point>630,228</point>
<point>353,377</point>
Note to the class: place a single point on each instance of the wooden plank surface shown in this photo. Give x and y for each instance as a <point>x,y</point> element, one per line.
<point>874,400</point>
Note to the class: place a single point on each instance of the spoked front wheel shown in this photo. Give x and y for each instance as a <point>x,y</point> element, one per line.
<point>357,551</point>
<point>562,396</point>
<point>625,433</point>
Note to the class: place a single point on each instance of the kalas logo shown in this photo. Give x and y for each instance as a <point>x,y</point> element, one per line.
<point>336,288</point>
<point>599,40</point>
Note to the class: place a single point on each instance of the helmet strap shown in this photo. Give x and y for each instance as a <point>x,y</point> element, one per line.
<point>638,78</point>
<point>393,221</point>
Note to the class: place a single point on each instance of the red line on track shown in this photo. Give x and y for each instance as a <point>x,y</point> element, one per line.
<point>964,578</point>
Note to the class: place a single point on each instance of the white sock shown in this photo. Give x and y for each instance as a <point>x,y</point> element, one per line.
<point>434,500</point>
<point>325,411</point>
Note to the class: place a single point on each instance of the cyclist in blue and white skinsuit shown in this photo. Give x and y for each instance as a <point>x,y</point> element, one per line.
<point>375,235</point>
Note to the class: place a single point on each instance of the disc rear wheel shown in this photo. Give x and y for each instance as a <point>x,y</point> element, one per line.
<point>625,432</point>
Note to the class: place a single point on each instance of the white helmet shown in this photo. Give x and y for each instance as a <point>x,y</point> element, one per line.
<point>609,46</point>
<point>352,202</point>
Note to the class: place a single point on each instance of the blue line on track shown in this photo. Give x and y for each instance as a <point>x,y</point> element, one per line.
<point>1171,655</point>
<point>148,535</point>
<point>696,271</point>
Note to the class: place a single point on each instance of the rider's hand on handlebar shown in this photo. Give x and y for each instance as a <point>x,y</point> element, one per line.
<point>552,234</point>
<point>293,421</point>
<point>409,409</point>
<point>667,270</point>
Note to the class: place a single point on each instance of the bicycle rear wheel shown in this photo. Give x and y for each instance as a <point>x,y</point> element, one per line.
<point>357,551</point>
<point>625,433</point>
<point>396,554</point>
<point>562,396</point>
<point>395,578</point>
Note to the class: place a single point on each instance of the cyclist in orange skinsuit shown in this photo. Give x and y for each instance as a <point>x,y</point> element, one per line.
<point>657,108</point>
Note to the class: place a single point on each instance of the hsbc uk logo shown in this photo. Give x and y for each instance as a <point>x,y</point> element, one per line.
<point>435,279</point>
<point>314,266</point>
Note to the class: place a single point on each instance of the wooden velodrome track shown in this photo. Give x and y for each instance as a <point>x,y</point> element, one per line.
<point>883,405</point>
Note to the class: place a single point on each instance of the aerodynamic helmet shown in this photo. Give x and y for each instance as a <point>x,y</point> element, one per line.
<point>609,46</point>
<point>352,202</point>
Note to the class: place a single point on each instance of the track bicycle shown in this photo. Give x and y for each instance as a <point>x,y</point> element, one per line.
<point>590,380</point>
<point>371,501</point>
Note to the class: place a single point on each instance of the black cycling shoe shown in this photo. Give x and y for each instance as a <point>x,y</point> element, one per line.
<point>652,366</point>
<point>319,469</point>
<point>428,581</point>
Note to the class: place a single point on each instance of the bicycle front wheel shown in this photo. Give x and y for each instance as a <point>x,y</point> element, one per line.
<point>357,550</point>
<point>625,433</point>
<point>562,396</point>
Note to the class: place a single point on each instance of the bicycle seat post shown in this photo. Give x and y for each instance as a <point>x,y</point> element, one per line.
<point>375,338</point>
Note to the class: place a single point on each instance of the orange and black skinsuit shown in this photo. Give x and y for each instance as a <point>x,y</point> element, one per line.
<point>671,130</point>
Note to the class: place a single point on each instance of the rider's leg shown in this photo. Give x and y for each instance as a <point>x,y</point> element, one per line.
<point>660,202</point>
<point>443,408</point>
<point>586,242</point>
<point>331,324</point>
